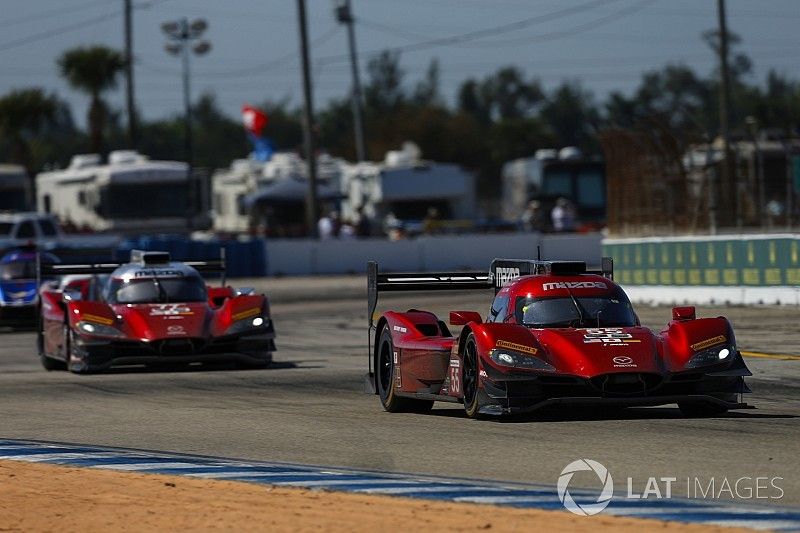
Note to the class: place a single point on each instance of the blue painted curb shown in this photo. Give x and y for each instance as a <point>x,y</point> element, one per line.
<point>711,512</point>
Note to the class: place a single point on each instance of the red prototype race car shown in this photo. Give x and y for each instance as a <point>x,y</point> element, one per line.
<point>151,310</point>
<point>555,334</point>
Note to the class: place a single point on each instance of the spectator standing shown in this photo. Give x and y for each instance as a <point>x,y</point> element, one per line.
<point>563,216</point>
<point>363,223</point>
<point>533,217</point>
<point>328,226</point>
<point>431,223</point>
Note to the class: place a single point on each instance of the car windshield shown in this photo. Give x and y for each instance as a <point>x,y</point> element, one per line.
<point>17,270</point>
<point>597,311</point>
<point>157,290</point>
<point>5,228</point>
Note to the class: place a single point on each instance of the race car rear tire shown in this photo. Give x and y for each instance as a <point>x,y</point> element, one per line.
<point>470,377</point>
<point>701,410</point>
<point>385,377</point>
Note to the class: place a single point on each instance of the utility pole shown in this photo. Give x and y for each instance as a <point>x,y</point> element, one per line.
<point>308,125</point>
<point>132,125</point>
<point>344,14</point>
<point>729,185</point>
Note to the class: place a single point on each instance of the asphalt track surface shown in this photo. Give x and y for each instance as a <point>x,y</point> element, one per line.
<point>309,407</point>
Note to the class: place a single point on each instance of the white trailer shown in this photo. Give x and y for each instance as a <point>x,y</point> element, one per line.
<point>230,187</point>
<point>131,194</point>
<point>406,186</point>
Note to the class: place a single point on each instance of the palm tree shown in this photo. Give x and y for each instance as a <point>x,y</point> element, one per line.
<point>23,113</point>
<point>93,70</point>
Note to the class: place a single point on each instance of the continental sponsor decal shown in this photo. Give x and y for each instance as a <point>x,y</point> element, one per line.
<point>518,347</point>
<point>98,319</point>
<point>247,313</point>
<point>719,339</point>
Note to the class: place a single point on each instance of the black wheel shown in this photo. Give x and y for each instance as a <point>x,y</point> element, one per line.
<point>384,379</point>
<point>470,377</point>
<point>701,410</point>
<point>51,364</point>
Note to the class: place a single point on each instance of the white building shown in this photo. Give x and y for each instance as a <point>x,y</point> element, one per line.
<point>131,194</point>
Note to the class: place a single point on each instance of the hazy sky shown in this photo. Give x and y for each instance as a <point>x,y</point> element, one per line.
<point>604,43</point>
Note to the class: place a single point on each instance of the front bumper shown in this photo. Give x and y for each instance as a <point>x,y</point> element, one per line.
<point>98,354</point>
<point>520,393</point>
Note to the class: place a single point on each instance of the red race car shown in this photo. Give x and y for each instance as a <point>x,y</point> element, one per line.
<point>151,310</point>
<point>555,334</point>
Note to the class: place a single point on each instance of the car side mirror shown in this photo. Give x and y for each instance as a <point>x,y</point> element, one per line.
<point>72,295</point>
<point>460,318</point>
<point>684,313</point>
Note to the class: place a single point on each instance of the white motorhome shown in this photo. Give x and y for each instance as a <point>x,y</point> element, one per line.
<point>406,186</point>
<point>130,194</point>
<point>230,187</point>
<point>15,193</point>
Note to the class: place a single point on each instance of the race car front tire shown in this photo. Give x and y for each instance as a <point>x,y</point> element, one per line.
<point>384,379</point>
<point>470,377</point>
<point>52,364</point>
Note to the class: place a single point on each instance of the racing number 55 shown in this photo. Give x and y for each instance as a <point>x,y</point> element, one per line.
<point>455,380</point>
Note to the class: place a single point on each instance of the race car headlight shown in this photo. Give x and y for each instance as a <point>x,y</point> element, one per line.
<point>252,323</point>
<point>514,359</point>
<point>712,356</point>
<point>98,330</point>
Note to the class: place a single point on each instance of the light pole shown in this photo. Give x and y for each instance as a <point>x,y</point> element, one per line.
<point>312,209</point>
<point>344,14</point>
<point>184,39</point>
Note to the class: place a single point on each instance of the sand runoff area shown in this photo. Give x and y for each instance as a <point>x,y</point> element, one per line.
<point>39,497</point>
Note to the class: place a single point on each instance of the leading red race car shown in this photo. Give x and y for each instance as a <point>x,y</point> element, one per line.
<point>555,334</point>
<point>151,310</point>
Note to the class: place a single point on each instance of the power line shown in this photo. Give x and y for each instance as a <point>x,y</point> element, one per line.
<point>51,13</point>
<point>46,34</point>
<point>252,70</point>
<point>58,31</point>
<point>483,33</point>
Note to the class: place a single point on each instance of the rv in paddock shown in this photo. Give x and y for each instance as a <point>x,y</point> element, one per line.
<point>552,174</point>
<point>130,194</point>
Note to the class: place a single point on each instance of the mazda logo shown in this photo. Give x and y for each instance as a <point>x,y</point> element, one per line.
<point>623,360</point>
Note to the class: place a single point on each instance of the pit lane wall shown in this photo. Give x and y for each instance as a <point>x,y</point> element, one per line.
<point>429,253</point>
<point>725,269</point>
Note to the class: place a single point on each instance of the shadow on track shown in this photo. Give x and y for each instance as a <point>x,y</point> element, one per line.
<point>596,415</point>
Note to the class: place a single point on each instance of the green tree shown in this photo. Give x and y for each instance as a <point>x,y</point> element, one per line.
<point>572,116</point>
<point>93,70</point>
<point>23,114</point>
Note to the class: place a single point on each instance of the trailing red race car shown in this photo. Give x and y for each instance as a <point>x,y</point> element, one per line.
<point>555,334</point>
<point>150,310</point>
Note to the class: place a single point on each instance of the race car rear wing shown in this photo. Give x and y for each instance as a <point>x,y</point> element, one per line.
<point>415,281</point>
<point>504,271</point>
<point>214,266</point>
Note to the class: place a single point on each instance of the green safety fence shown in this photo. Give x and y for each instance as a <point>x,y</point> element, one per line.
<point>763,261</point>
